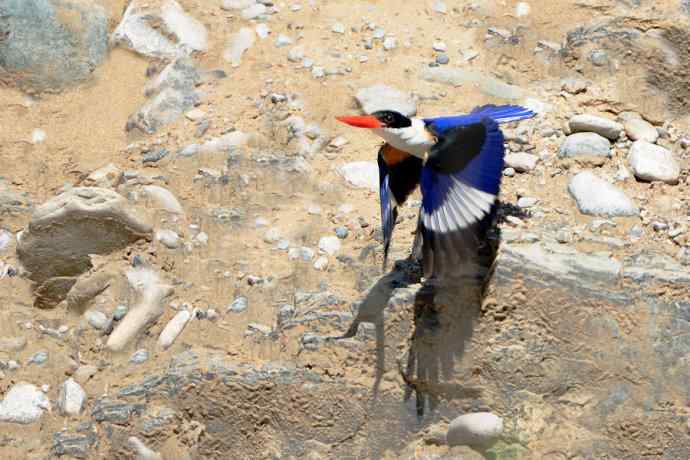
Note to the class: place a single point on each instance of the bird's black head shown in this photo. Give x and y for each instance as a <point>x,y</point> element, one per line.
<point>392,119</point>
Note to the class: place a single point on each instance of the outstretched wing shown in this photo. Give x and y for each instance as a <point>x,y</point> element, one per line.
<point>498,113</point>
<point>460,182</point>
<point>399,175</point>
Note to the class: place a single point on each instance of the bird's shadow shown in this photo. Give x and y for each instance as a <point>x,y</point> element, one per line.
<point>443,322</point>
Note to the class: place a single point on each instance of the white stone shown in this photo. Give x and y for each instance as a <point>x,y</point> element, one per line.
<point>338,28</point>
<point>24,403</point>
<point>163,198</point>
<point>97,319</point>
<point>321,263</point>
<point>585,144</point>
<point>477,429</point>
<point>71,398</point>
<point>296,54</point>
<point>190,32</point>
<point>439,6</point>
<point>254,11</point>
<point>651,162</point>
<point>640,130</point>
<point>527,202</point>
<point>594,124</point>
<point>390,43</point>
<point>361,174</point>
<point>262,31</point>
<point>5,239</point>
<point>108,176</point>
<point>439,46</point>
<point>521,162</point>
<point>595,196</point>
<point>383,97</point>
<point>283,40</point>
<point>195,115</point>
<point>522,9</point>
<point>329,244</point>
<point>237,4</point>
<point>174,327</point>
<point>38,136</point>
<point>168,238</point>
<point>238,44</point>
<point>272,235</point>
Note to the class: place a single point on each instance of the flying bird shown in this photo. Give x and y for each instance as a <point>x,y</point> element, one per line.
<point>456,161</point>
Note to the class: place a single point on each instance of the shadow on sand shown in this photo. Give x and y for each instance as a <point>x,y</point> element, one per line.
<point>444,317</point>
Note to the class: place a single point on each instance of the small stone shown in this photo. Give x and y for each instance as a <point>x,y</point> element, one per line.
<point>509,172</point>
<point>254,11</point>
<point>71,398</point>
<point>440,47</point>
<point>143,451</point>
<point>272,235</point>
<point>382,97</point>
<point>195,114</point>
<point>318,72</point>
<point>239,305</point>
<point>564,236</point>
<point>154,156</point>
<point>442,59</point>
<point>38,136</point>
<point>651,162</point>
<point>595,196</point>
<point>522,9</point>
<point>329,244</point>
<point>262,31</point>
<point>283,244</point>
<point>120,312</point>
<point>521,162</point>
<point>338,28</point>
<point>638,129</point>
<point>574,85</point>
<point>168,238</point>
<point>97,319</point>
<point>39,358</point>
<point>286,313</point>
<point>139,356</point>
<point>238,45</point>
<point>594,124</point>
<point>478,429</point>
<point>306,254</point>
<point>341,232</point>
<point>361,174</point>
<point>439,6</point>
<point>321,263</point>
<point>338,142</point>
<point>296,54</point>
<point>23,403</point>
<point>527,202</point>
<point>635,233</point>
<point>599,58</point>
<point>390,43</point>
<point>314,210</point>
<point>257,327</point>
<point>283,40</point>
<point>579,144</point>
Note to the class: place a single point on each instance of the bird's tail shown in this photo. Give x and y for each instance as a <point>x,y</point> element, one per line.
<point>503,113</point>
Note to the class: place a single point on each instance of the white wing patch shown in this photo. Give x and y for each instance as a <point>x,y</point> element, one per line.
<point>463,206</point>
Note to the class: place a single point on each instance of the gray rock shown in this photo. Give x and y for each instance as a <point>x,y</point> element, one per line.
<point>599,58</point>
<point>71,398</point>
<point>303,253</point>
<point>139,357</point>
<point>338,28</point>
<point>75,445</point>
<point>296,54</point>
<point>638,129</point>
<point>361,174</point>
<point>594,124</point>
<point>595,196</point>
<point>97,319</point>
<point>238,44</point>
<point>154,156</point>
<point>585,144</point>
<point>165,32</point>
<point>383,97</point>
<point>342,232</point>
<point>329,244</point>
<point>171,94</point>
<point>651,162</point>
<point>239,305</point>
<point>24,403</point>
<point>521,162</point>
<point>11,201</point>
<point>477,429</point>
<point>66,230</point>
<point>509,172</point>
<point>285,313</point>
<point>442,59</point>
<point>116,412</point>
<point>43,49</point>
<point>120,312</point>
<point>40,357</point>
<point>487,84</point>
<point>168,238</point>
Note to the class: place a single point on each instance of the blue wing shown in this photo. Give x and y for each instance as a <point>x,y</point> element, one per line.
<point>389,212</point>
<point>498,113</point>
<point>460,183</point>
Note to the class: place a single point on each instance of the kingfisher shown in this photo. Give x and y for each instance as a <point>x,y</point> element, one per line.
<point>456,161</point>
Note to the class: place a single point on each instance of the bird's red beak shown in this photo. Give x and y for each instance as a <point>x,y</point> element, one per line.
<point>366,121</point>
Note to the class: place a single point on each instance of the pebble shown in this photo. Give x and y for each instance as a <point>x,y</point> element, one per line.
<point>5,239</point>
<point>272,235</point>
<point>440,47</point>
<point>338,28</point>
<point>84,373</point>
<point>594,124</point>
<point>321,263</point>
<point>585,144</point>
<point>39,358</point>
<point>168,238</point>
<point>283,40</point>
<point>139,356</point>
<point>383,97</point>
<point>564,236</point>
<point>390,43</point>
<point>527,202</point>
<point>12,344</point>
<point>71,398</point>
<point>163,198</point>
<point>306,254</point>
<point>120,312</point>
<point>509,172</point>
<point>97,319</point>
<point>521,162</point>
<point>262,31</point>
<point>477,429</point>
<point>173,329</point>
<point>599,57</point>
<point>338,142</point>
<point>361,174</point>
<point>440,7</point>
<point>638,129</point>
<point>651,162</point>
<point>342,232</point>
<point>285,313</point>
<point>522,9</point>
<point>329,244</point>
<point>254,11</point>
<point>195,114</point>
<point>595,196</point>
<point>154,156</point>
<point>318,72</point>
<point>238,305</point>
<point>38,136</point>
<point>237,4</point>
<point>239,43</point>
<point>442,59</point>
<point>296,54</point>
<point>24,403</point>
<point>283,244</point>
<point>257,327</point>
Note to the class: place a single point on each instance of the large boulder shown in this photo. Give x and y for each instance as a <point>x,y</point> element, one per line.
<point>66,230</point>
<point>51,44</point>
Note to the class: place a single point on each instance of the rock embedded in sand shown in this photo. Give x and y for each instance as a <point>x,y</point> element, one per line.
<point>581,144</point>
<point>174,328</point>
<point>71,398</point>
<point>594,124</point>
<point>238,45</point>
<point>638,129</point>
<point>382,97</point>
<point>24,403</point>
<point>163,199</point>
<point>651,162</point>
<point>477,429</point>
<point>361,174</point>
<point>595,196</point>
<point>521,162</point>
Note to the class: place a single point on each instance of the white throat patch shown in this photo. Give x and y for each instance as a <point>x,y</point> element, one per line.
<point>415,139</point>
